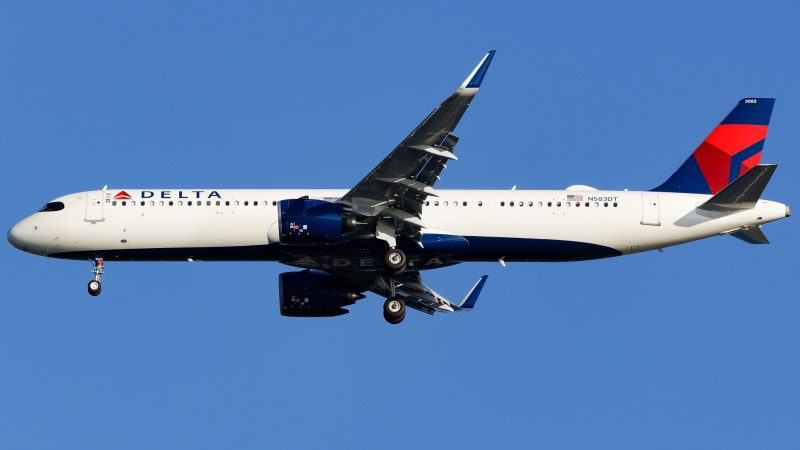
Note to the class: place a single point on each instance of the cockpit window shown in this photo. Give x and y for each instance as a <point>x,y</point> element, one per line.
<point>52,206</point>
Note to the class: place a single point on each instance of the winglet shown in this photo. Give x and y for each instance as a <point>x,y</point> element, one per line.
<point>472,296</point>
<point>475,79</point>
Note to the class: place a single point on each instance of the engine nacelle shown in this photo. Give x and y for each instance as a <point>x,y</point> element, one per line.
<point>311,222</point>
<point>314,294</point>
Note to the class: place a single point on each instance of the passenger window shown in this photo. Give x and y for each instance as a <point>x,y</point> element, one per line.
<point>236,203</point>
<point>124,203</point>
<point>189,203</point>
<point>596,204</point>
<point>586,204</point>
<point>245,203</point>
<point>605,204</point>
<point>170,203</point>
<point>445,203</point>
<point>480,203</point>
<point>510,203</point>
<point>255,203</point>
<point>577,204</point>
<point>615,204</point>
<point>455,203</point>
<point>464,204</point>
<point>539,204</point>
<point>558,204</point>
<point>568,205</point>
<point>227,203</point>
<point>208,203</point>
<point>161,203</point>
<point>142,204</point>
<point>549,204</point>
<point>502,203</point>
<point>274,203</point>
<point>436,203</point>
<point>114,203</point>
<point>180,202</point>
<point>217,202</point>
<point>152,203</point>
<point>427,203</point>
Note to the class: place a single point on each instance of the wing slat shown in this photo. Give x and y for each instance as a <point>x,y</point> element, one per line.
<point>414,166</point>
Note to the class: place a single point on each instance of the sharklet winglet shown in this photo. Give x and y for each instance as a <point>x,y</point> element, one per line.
<point>475,79</point>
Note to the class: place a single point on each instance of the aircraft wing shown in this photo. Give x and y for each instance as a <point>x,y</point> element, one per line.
<point>410,288</point>
<point>399,185</point>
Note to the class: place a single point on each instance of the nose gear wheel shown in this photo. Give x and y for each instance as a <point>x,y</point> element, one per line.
<point>97,269</point>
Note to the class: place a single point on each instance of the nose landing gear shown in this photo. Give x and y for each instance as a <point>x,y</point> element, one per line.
<point>97,270</point>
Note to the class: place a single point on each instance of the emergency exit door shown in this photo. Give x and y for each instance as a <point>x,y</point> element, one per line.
<point>651,210</point>
<point>94,206</point>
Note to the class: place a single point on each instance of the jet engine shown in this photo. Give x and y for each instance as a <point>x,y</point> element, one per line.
<point>305,221</point>
<point>314,294</point>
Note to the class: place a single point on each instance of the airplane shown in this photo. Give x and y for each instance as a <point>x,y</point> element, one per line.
<point>382,233</point>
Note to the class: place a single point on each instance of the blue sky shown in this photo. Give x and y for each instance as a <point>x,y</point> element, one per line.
<point>693,348</point>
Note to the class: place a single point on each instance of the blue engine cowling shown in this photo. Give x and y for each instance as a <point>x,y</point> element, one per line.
<point>310,222</point>
<point>314,294</point>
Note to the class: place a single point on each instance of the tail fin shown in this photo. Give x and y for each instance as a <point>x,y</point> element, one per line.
<point>733,148</point>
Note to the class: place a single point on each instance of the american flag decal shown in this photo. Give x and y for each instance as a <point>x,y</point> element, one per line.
<point>297,227</point>
<point>299,301</point>
<point>575,198</point>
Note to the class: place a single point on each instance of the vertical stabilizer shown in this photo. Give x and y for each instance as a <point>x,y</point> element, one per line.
<point>733,148</point>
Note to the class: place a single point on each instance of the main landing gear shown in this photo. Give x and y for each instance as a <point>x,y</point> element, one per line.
<point>395,261</point>
<point>97,270</point>
<point>394,310</point>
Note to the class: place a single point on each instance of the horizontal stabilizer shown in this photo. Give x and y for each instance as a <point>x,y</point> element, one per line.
<point>751,236</point>
<point>472,296</point>
<point>744,192</point>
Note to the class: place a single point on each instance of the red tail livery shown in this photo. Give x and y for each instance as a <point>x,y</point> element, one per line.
<point>733,148</point>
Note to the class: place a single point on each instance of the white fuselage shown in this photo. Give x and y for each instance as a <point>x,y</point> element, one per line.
<point>174,224</point>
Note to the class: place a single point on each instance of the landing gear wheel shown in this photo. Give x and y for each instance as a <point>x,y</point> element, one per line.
<point>97,269</point>
<point>94,288</point>
<point>394,310</point>
<point>394,320</point>
<point>395,261</point>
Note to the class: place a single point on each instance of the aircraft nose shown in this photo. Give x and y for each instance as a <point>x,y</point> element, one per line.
<point>15,238</point>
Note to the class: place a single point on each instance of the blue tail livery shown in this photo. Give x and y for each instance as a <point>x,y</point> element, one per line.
<point>733,148</point>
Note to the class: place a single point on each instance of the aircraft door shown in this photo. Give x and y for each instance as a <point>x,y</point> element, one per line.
<point>651,210</point>
<point>94,206</point>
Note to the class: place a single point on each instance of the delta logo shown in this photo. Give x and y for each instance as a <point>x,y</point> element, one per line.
<point>122,195</point>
